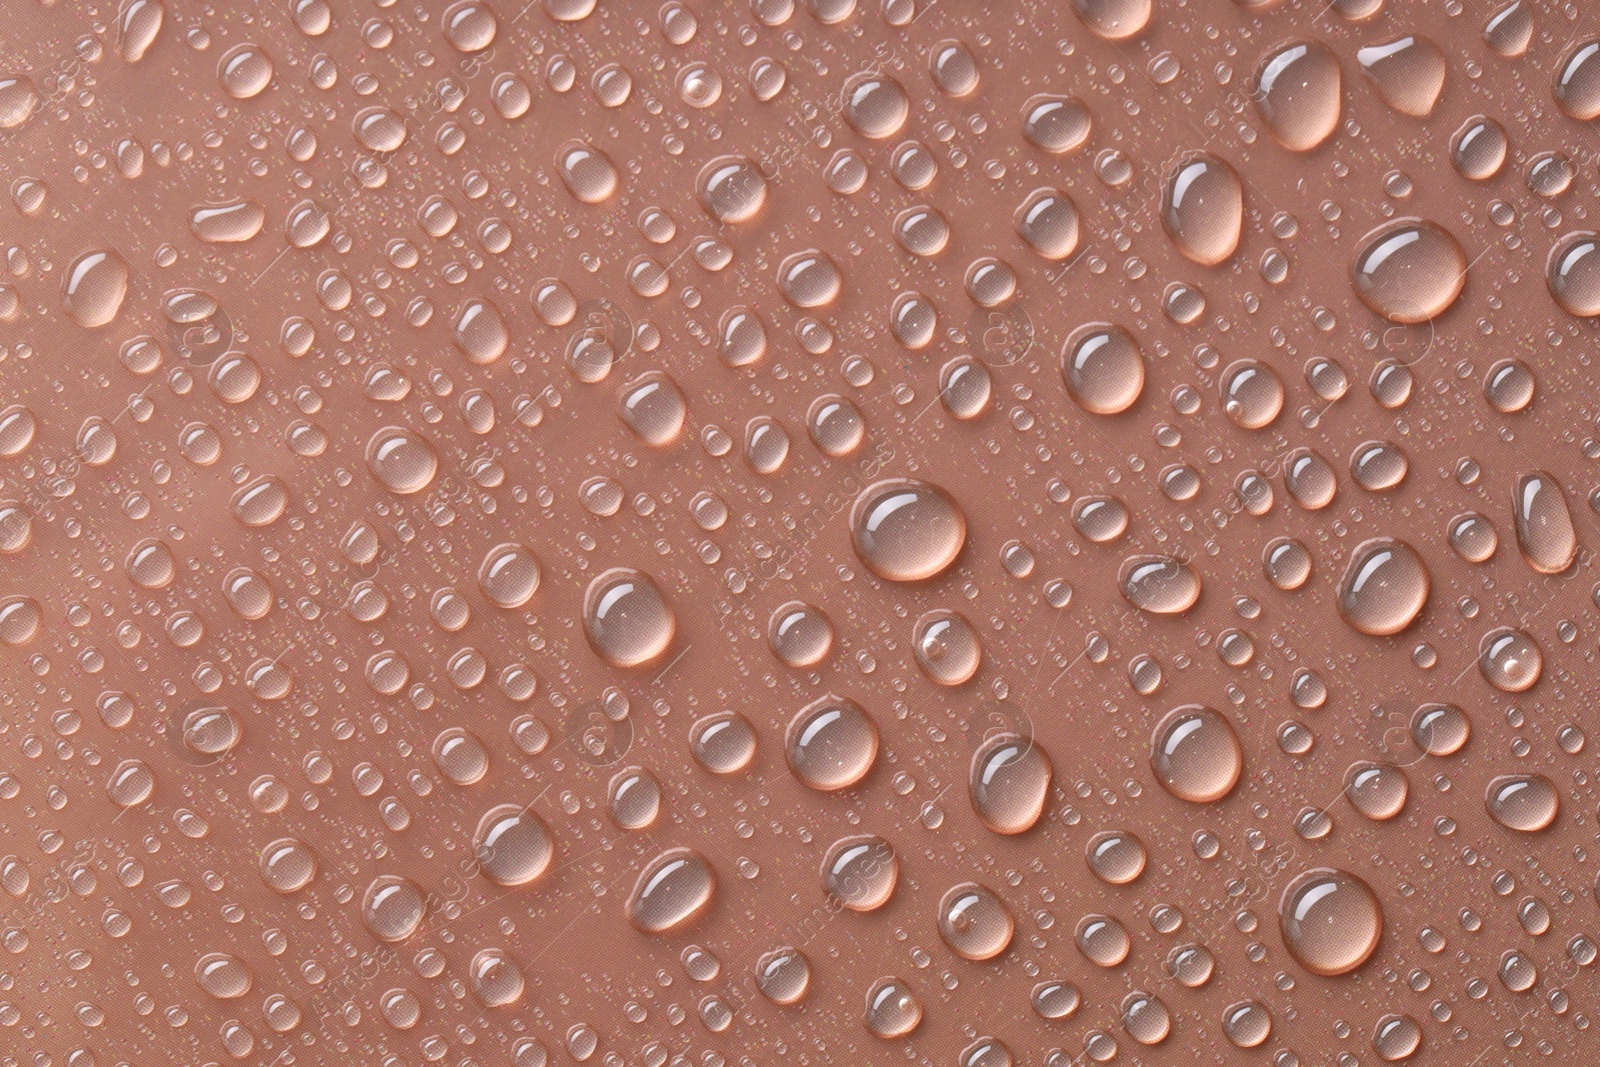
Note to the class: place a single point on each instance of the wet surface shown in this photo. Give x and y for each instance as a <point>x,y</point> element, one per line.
<point>829,531</point>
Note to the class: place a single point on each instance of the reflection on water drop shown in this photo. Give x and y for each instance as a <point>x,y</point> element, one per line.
<point>1009,782</point>
<point>893,1010</point>
<point>906,530</point>
<point>1202,208</point>
<point>1160,585</point>
<point>974,922</point>
<point>626,618</point>
<point>1384,587</point>
<point>1510,659</point>
<point>1525,802</point>
<point>673,890</point>
<point>1196,754</point>
<point>1409,270</point>
<point>860,872</point>
<point>1331,921</point>
<point>831,744</point>
<point>1297,93</point>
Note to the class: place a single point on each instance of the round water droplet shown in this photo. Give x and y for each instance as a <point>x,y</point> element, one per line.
<point>1440,729</point>
<point>906,530</point>
<point>1510,660</point>
<point>974,922</point>
<point>1331,921</point>
<point>1409,270</point>
<point>288,865</point>
<point>1478,148</point>
<point>1287,563</point>
<point>731,189</point>
<point>1376,790</point>
<point>1146,1018</point>
<point>1378,466</point>
<point>497,979</point>
<point>1297,93</point>
<point>469,25</point>
<point>1116,856</point>
<point>245,71</point>
<point>401,460</point>
<point>1195,754</point>
<point>131,783</point>
<point>861,872</point>
<point>1577,85</point>
<point>1396,1037</point>
<point>832,744</point>
<point>223,976</point>
<point>1009,782</point>
<point>1252,393</point>
<point>875,105</point>
<point>799,634</point>
<point>1384,587</point>
<point>626,618</point>
<point>509,575</point>
<point>20,617</point>
<point>392,908</point>
<point>893,1010</point>
<point>1509,30</point>
<point>947,648</point>
<point>1048,221</point>
<point>480,332</point>
<point>723,743</point>
<point>512,845</point>
<point>1103,368</point>
<point>783,975</point>
<point>1572,273</point>
<point>1247,1023</point>
<point>1103,940</point>
<point>809,279</point>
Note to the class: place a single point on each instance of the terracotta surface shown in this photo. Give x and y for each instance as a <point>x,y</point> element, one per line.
<point>1005,477</point>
